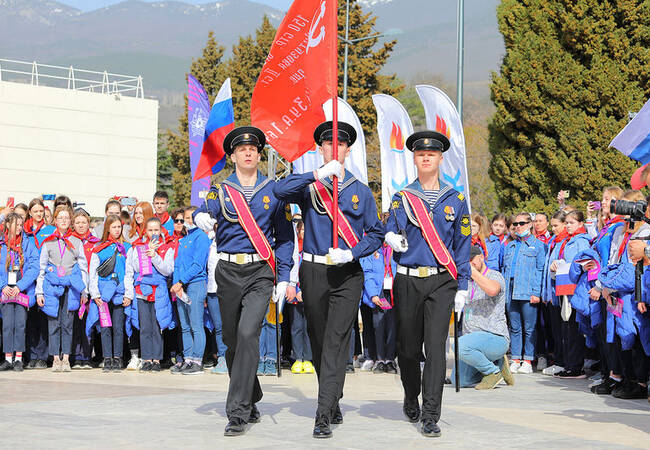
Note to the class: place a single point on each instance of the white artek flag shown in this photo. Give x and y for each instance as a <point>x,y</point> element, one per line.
<point>356,162</point>
<point>393,126</point>
<point>442,116</point>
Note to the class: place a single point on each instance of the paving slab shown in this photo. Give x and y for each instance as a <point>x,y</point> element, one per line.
<point>83,409</point>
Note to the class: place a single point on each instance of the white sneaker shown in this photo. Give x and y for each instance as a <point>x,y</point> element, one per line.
<point>133,363</point>
<point>514,367</point>
<point>525,367</point>
<point>552,370</point>
<point>367,365</point>
<point>542,363</point>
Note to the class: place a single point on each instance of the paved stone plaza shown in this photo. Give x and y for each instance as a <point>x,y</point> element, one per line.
<point>89,409</point>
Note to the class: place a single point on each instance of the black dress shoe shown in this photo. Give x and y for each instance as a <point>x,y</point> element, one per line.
<point>337,416</point>
<point>322,428</point>
<point>235,427</point>
<point>255,415</point>
<point>430,428</point>
<point>117,364</point>
<point>411,410</point>
<point>18,366</point>
<point>6,365</point>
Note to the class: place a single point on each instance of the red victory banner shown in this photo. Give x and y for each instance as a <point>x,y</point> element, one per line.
<point>299,75</point>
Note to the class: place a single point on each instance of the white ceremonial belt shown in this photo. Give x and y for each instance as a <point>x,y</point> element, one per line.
<point>240,258</point>
<point>420,272</point>
<point>318,259</point>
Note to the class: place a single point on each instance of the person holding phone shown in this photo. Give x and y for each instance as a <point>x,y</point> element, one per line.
<point>106,286</point>
<point>18,273</point>
<point>61,285</point>
<point>149,262</point>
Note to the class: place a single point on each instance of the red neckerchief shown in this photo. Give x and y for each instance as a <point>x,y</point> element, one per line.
<point>120,247</point>
<point>164,217</point>
<point>88,237</point>
<point>14,243</point>
<point>476,239</point>
<point>545,237</point>
<point>28,226</point>
<point>56,235</point>
<point>581,230</point>
<point>621,248</point>
<point>558,238</point>
<point>501,238</point>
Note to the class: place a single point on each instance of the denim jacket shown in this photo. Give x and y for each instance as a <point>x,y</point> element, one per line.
<point>524,277</point>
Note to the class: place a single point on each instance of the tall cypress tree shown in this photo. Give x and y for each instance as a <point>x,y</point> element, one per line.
<point>572,71</point>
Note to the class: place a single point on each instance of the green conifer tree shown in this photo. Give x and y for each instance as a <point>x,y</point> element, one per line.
<point>572,71</point>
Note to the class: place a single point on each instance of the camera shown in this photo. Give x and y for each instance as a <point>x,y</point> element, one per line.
<point>636,210</point>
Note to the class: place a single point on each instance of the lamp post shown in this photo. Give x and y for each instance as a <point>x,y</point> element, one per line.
<point>347,41</point>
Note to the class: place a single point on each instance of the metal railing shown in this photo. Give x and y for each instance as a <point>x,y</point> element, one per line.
<point>70,78</point>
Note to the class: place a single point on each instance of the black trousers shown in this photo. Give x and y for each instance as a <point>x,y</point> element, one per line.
<point>37,334</point>
<point>331,297</point>
<point>151,340</point>
<point>113,336</point>
<point>545,344</point>
<point>368,333</point>
<point>555,318</point>
<point>244,292</point>
<point>574,344</point>
<point>610,357</point>
<point>423,308</point>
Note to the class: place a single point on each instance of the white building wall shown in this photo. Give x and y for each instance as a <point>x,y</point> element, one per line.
<point>86,145</point>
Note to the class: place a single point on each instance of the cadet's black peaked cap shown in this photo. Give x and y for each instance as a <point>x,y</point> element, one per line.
<point>324,132</point>
<point>242,136</point>
<point>428,140</point>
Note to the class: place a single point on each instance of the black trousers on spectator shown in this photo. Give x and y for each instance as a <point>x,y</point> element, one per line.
<point>244,292</point>
<point>172,338</point>
<point>635,362</point>
<point>82,345</point>
<point>610,356</point>
<point>385,332</point>
<point>331,297</point>
<point>113,336</point>
<point>151,341</point>
<point>37,333</point>
<point>545,342</point>
<point>423,308</point>
<point>574,344</point>
<point>555,319</point>
<point>60,328</point>
<point>14,317</point>
<point>368,333</point>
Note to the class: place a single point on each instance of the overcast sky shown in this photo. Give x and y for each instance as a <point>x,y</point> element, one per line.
<point>89,5</point>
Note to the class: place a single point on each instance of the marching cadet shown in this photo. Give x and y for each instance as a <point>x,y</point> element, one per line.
<point>252,223</point>
<point>331,279</point>
<point>429,230</point>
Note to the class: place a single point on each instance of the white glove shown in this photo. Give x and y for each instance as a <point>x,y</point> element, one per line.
<point>459,301</point>
<point>397,242</point>
<point>204,221</point>
<point>332,168</point>
<point>280,291</point>
<point>340,256</point>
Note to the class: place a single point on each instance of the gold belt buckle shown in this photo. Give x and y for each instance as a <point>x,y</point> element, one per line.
<point>423,272</point>
<point>240,258</point>
<point>328,260</point>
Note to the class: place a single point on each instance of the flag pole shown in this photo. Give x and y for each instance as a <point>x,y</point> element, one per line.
<point>335,122</point>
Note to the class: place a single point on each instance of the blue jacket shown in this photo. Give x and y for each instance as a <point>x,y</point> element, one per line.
<point>603,242</point>
<point>619,278</point>
<point>642,321</point>
<point>38,237</point>
<point>356,203</point>
<point>29,272</point>
<point>162,303</point>
<point>54,286</point>
<point>523,263</point>
<point>192,259</point>
<point>495,253</point>
<point>373,277</point>
<point>452,222</point>
<point>588,312</point>
<point>111,288</point>
<point>272,215</point>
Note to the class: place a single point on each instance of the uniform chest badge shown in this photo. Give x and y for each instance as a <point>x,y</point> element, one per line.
<point>266,201</point>
<point>465,227</point>
<point>212,195</point>
<point>395,204</point>
<point>449,213</point>
<point>355,201</point>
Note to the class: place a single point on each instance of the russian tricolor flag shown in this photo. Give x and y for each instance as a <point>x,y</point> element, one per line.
<point>563,284</point>
<point>220,122</point>
<point>634,140</point>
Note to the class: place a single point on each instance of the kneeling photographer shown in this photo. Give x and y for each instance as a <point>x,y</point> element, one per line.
<point>485,339</point>
<point>621,282</point>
